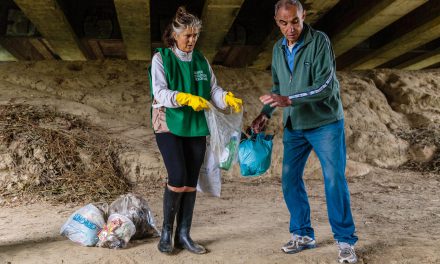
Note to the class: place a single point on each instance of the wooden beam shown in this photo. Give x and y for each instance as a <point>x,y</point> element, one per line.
<point>96,49</point>
<point>382,14</point>
<point>5,55</point>
<point>51,22</point>
<point>134,20</point>
<point>316,9</point>
<point>217,17</point>
<point>21,48</point>
<point>421,26</point>
<point>113,48</point>
<point>422,61</point>
<point>40,46</point>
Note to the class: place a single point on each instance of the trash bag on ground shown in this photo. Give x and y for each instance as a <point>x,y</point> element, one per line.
<point>225,129</point>
<point>130,217</point>
<point>117,232</point>
<point>136,208</point>
<point>103,207</point>
<point>255,154</point>
<point>210,174</point>
<point>83,225</point>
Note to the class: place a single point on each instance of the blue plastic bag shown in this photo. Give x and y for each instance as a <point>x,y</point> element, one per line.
<point>254,154</point>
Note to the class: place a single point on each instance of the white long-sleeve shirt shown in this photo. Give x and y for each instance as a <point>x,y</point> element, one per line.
<point>166,97</point>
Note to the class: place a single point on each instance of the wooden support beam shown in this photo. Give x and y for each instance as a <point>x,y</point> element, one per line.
<point>217,17</point>
<point>422,61</point>
<point>113,48</point>
<point>377,17</point>
<point>21,48</point>
<point>134,20</point>
<point>413,30</point>
<point>41,47</point>
<point>51,22</point>
<point>411,40</point>
<point>5,55</point>
<point>315,10</point>
<point>96,49</point>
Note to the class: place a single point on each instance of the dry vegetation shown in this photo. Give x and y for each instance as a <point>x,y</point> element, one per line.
<point>56,156</point>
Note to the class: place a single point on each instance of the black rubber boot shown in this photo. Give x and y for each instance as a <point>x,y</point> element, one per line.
<point>171,203</point>
<point>182,238</point>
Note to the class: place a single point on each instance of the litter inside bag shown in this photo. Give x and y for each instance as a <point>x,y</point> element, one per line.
<point>117,232</point>
<point>225,130</point>
<point>83,225</point>
<point>255,154</point>
<point>210,174</point>
<point>136,208</point>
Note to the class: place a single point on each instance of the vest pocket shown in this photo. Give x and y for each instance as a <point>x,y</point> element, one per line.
<point>159,120</point>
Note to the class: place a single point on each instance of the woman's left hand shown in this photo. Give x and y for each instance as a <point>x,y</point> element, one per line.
<point>234,102</point>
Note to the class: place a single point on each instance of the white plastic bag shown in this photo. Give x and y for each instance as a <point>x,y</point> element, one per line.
<point>225,130</point>
<point>83,225</point>
<point>136,208</point>
<point>210,174</point>
<point>117,232</point>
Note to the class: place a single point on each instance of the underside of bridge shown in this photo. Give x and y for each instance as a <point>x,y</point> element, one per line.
<point>366,34</point>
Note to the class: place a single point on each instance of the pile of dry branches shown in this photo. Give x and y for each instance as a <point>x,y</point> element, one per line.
<point>426,136</point>
<point>56,156</point>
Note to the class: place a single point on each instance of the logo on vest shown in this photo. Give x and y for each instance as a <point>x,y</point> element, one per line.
<point>200,76</point>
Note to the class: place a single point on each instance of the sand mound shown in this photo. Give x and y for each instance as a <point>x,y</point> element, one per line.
<point>378,104</point>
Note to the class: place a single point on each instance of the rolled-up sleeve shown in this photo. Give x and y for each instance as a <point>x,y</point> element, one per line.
<point>162,94</point>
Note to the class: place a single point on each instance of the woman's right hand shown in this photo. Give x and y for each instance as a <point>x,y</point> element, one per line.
<point>197,103</point>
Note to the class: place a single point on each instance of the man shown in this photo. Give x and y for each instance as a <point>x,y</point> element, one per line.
<point>306,87</point>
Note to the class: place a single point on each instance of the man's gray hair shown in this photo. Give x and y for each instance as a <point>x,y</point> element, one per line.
<point>285,3</point>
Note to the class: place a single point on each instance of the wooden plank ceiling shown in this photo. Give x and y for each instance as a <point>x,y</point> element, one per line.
<point>50,20</point>
<point>134,20</point>
<point>366,34</point>
<point>217,17</point>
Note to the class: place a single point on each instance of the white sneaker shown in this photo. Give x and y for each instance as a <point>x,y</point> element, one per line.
<point>346,253</point>
<point>298,243</point>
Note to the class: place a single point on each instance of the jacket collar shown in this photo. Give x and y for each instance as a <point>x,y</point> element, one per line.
<point>305,38</point>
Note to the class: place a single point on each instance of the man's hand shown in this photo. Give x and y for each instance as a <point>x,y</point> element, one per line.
<point>259,123</point>
<point>276,100</point>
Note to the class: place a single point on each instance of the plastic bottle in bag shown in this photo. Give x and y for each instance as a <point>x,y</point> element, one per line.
<point>229,152</point>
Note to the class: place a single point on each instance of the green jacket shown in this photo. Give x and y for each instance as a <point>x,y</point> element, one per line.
<point>313,86</point>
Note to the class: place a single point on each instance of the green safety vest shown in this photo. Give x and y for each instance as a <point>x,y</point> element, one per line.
<point>189,77</point>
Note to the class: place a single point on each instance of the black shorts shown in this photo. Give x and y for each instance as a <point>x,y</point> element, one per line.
<point>183,158</point>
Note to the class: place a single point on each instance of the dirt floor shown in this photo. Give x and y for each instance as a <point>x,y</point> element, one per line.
<point>396,215</point>
<point>396,211</point>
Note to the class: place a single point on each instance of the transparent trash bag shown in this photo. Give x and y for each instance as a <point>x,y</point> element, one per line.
<point>255,154</point>
<point>117,232</point>
<point>84,225</point>
<point>225,130</point>
<point>210,174</point>
<point>136,208</point>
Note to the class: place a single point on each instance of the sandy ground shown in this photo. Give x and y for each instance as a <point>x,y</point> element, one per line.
<point>396,213</point>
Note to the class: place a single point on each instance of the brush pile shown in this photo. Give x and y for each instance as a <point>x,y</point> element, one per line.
<point>423,136</point>
<point>45,154</point>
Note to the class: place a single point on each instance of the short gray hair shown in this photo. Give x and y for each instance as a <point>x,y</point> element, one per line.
<point>285,3</point>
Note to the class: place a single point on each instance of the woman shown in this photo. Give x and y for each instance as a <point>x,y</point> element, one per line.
<point>182,83</point>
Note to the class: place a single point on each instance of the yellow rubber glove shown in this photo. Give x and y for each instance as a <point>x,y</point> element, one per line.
<point>196,102</point>
<point>233,102</point>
